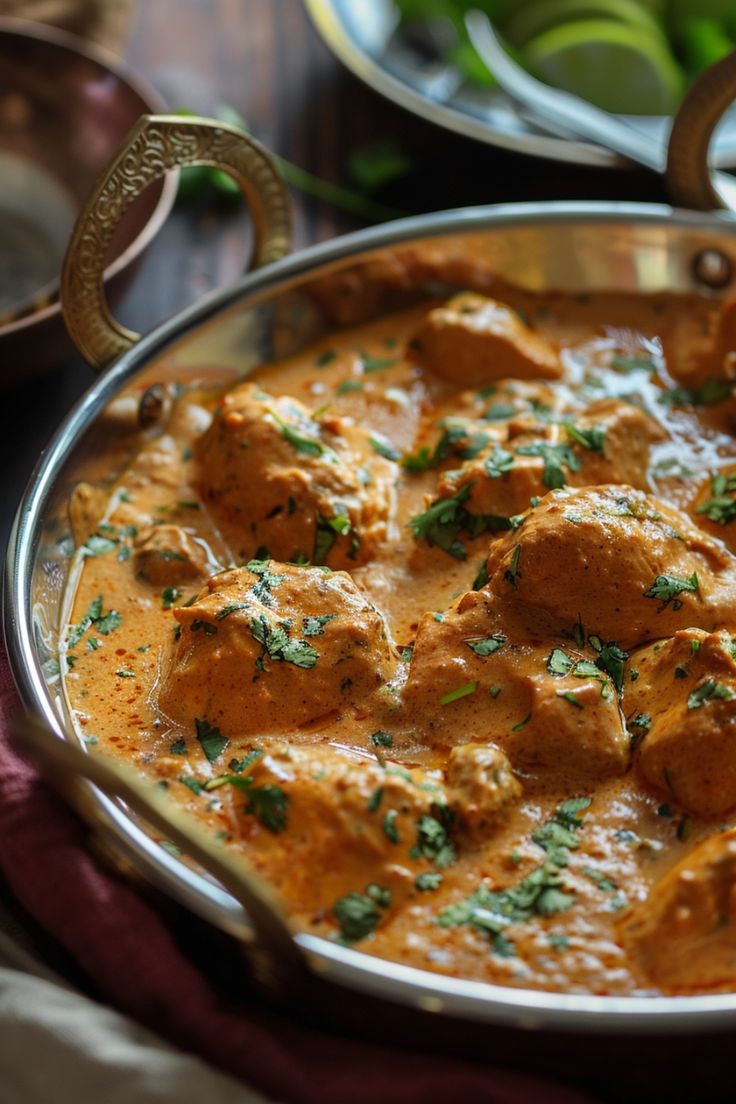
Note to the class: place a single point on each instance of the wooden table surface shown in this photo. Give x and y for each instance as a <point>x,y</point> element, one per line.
<point>263,58</point>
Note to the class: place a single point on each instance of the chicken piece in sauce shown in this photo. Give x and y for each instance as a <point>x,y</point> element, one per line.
<point>269,647</point>
<point>485,674</point>
<point>683,937</point>
<point>472,339</point>
<point>623,564</point>
<point>168,555</point>
<point>280,483</point>
<point>681,711</point>
<point>354,819</point>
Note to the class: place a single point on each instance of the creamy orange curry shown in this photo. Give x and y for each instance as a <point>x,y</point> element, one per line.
<point>436,622</point>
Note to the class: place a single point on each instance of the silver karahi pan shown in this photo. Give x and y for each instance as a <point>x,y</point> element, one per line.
<point>570,247</point>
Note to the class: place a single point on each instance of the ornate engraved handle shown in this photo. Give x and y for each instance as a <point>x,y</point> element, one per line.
<point>690,181</point>
<point>155,145</point>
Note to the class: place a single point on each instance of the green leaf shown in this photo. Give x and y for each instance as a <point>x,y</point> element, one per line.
<point>211,740</point>
<point>373,166</point>
<point>384,447</point>
<point>721,508</point>
<point>382,739</point>
<point>315,626</point>
<point>461,692</point>
<point>270,805</point>
<point>488,645</point>
<point>98,546</point>
<point>356,915</point>
<point>710,690</point>
<point>556,458</point>
<point>390,830</point>
<point>169,596</point>
<point>428,880</point>
<point>433,842</point>
<point>665,588</point>
<point>592,437</point>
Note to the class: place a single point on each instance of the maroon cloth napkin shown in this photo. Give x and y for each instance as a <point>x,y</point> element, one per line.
<point>125,947</point>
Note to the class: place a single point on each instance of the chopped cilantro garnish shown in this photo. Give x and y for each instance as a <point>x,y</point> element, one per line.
<point>721,507</point>
<point>665,588</point>
<point>326,533</point>
<point>232,607</point>
<point>488,645</point>
<point>428,880</point>
<point>390,830</point>
<point>433,842</point>
<point>461,692</point>
<point>265,582</point>
<point>571,697</point>
<point>103,622</point>
<point>276,643</point>
<point>315,626</point>
<point>520,724</point>
<point>124,672</point>
<point>347,386</point>
<point>633,364</point>
<point>499,412</point>
<point>178,748</point>
<point>384,447</point>
<point>713,391</point>
<point>98,546</point>
<point>382,739</point>
<point>192,783</point>
<point>600,880</point>
<point>269,804</point>
<point>211,740</point>
<point>376,364</point>
<point>481,578</point>
<point>443,521</point>
<point>556,458</point>
<point>512,573</point>
<point>710,690</point>
<point>589,437</point>
<point>300,442</point>
<point>169,596</point>
<point>498,462</point>
<point>378,893</point>
<point>356,915</point>
<point>375,800</point>
<point>325,357</point>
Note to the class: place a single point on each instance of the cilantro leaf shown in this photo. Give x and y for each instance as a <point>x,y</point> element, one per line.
<point>356,915</point>
<point>315,626</point>
<point>269,803</point>
<point>488,645</point>
<point>433,842</point>
<point>665,588</point>
<point>556,458</point>
<point>710,690</point>
<point>211,740</point>
<point>443,521</point>
<point>721,507</point>
<point>589,437</point>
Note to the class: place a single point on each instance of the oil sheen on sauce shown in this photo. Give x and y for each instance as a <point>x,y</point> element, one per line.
<point>487,749</point>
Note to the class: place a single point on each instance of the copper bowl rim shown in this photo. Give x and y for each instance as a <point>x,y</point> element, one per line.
<point>153,102</point>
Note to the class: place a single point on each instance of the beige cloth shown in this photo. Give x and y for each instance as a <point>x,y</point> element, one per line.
<point>58,1046</point>
<point>103,21</point>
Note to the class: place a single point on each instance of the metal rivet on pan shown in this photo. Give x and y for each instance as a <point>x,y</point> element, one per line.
<point>152,406</point>
<point>712,269</point>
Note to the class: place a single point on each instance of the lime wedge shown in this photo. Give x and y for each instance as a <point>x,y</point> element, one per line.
<point>537,16</point>
<point>619,68</point>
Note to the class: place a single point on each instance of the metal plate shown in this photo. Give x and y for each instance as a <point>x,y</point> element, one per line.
<point>570,247</point>
<point>361,34</point>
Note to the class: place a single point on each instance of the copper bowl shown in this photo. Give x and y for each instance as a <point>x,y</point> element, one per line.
<point>65,106</point>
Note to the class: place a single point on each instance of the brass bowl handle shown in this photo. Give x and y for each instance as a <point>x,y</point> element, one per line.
<point>689,179</point>
<point>156,145</point>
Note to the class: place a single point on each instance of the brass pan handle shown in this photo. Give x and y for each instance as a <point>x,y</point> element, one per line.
<point>690,181</point>
<point>156,145</point>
